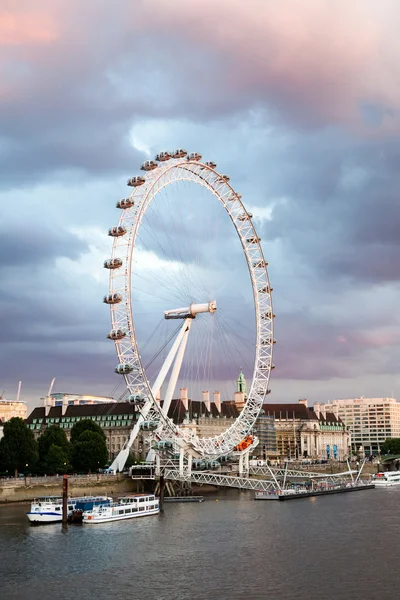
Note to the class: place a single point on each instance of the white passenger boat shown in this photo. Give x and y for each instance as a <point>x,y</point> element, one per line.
<point>48,509</point>
<point>387,479</point>
<point>128,507</point>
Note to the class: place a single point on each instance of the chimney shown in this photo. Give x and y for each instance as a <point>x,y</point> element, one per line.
<point>206,400</point>
<point>64,405</point>
<point>303,401</point>
<point>158,396</point>
<point>217,401</point>
<point>317,409</point>
<point>184,398</point>
<point>240,400</point>
<point>323,410</point>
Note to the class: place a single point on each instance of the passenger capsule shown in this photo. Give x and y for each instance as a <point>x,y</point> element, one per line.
<point>253,240</point>
<point>163,156</point>
<point>123,369</point>
<point>223,178</point>
<point>267,342</point>
<point>112,298</point>
<point>137,180</point>
<point>149,425</point>
<point>268,392</point>
<point>245,216</point>
<point>268,315</point>
<point>117,231</point>
<point>265,290</point>
<point>136,399</point>
<point>149,165</point>
<point>113,263</point>
<point>194,156</point>
<point>260,264</point>
<point>233,197</point>
<point>125,203</point>
<point>179,153</point>
<point>116,334</point>
<point>211,164</point>
<point>164,445</point>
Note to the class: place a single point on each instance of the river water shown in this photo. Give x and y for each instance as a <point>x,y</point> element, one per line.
<point>344,546</point>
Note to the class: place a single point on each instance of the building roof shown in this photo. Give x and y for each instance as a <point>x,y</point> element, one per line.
<point>290,411</point>
<point>83,410</point>
<point>177,411</point>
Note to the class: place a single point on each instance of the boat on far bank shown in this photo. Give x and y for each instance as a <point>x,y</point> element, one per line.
<point>386,479</point>
<point>48,509</point>
<point>127,507</point>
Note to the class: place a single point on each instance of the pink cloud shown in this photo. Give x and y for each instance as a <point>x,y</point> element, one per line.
<point>24,28</point>
<point>313,60</point>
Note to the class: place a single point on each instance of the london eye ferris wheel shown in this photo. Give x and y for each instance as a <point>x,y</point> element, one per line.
<point>145,277</point>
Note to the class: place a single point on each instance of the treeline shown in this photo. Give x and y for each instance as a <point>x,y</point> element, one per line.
<point>52,453</point>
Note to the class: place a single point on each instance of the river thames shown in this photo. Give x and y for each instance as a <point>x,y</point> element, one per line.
<point>344,546</point>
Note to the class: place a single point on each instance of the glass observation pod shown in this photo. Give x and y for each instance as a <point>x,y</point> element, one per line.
<point>253,240</point>
<point>265,367</point>
<point>260,264</point>
<point>245,217</point>
<point>136,181</point>
<point>265,290</point>
<point>194,156</point>
<point>268,315</point>
<point>136,399</point>
<point>267,342</point>
<point>117,231</point>
<point>223,178</point>
<point>125,203</point>
<point>149,165</point>
<point>233,197</point>
<point>179,153</point>
<point>112,298</point>
<point>163,156</point>
<point>211,164</point>
<point>116,334</point>
<point>113,263</point>
<point>149,425</point>
<point>123,369</point>
<point>163,445</point>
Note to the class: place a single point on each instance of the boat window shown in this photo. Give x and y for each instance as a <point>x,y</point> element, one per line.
<point>141,508</point>
<point>70,508</point>
<point>121,512</point>
<point>128,510</point>
<point>58,507</point>
<point>141,499</point>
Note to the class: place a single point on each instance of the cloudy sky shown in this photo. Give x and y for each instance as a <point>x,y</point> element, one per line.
<point>297,100</point>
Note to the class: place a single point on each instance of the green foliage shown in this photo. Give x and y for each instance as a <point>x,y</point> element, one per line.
<point>85,425</point>
<point>56,461</point>
<point>18,447</point>
<point>391,446</point>
<point>53,436</point>
<point>89,451</point>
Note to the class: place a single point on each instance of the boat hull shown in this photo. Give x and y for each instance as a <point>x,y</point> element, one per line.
<point>44,517</point>
<point>95,520</point>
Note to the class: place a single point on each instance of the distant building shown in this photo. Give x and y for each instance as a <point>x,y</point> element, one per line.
<point>12,408</point>
<point>302,432</point>
<point>370,420</point>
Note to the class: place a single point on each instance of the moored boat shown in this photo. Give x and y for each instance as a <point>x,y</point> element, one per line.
<point>127,507</point>
<point>387,479</point>
<point>48,509</point>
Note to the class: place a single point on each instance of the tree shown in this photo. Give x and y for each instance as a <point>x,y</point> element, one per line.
<point>53,436</point>
<point>391,446</point>
<point>57,460</point>
<point>18,447</point>
<point>89,451</point>
<point>85,425</point>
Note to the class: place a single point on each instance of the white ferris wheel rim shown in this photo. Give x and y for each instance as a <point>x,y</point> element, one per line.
<point>122,315</point>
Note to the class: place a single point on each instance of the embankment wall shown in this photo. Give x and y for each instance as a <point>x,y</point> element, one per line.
<point>25,489</point>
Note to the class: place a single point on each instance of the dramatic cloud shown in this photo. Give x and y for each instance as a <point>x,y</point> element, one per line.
<point>297,101</point>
